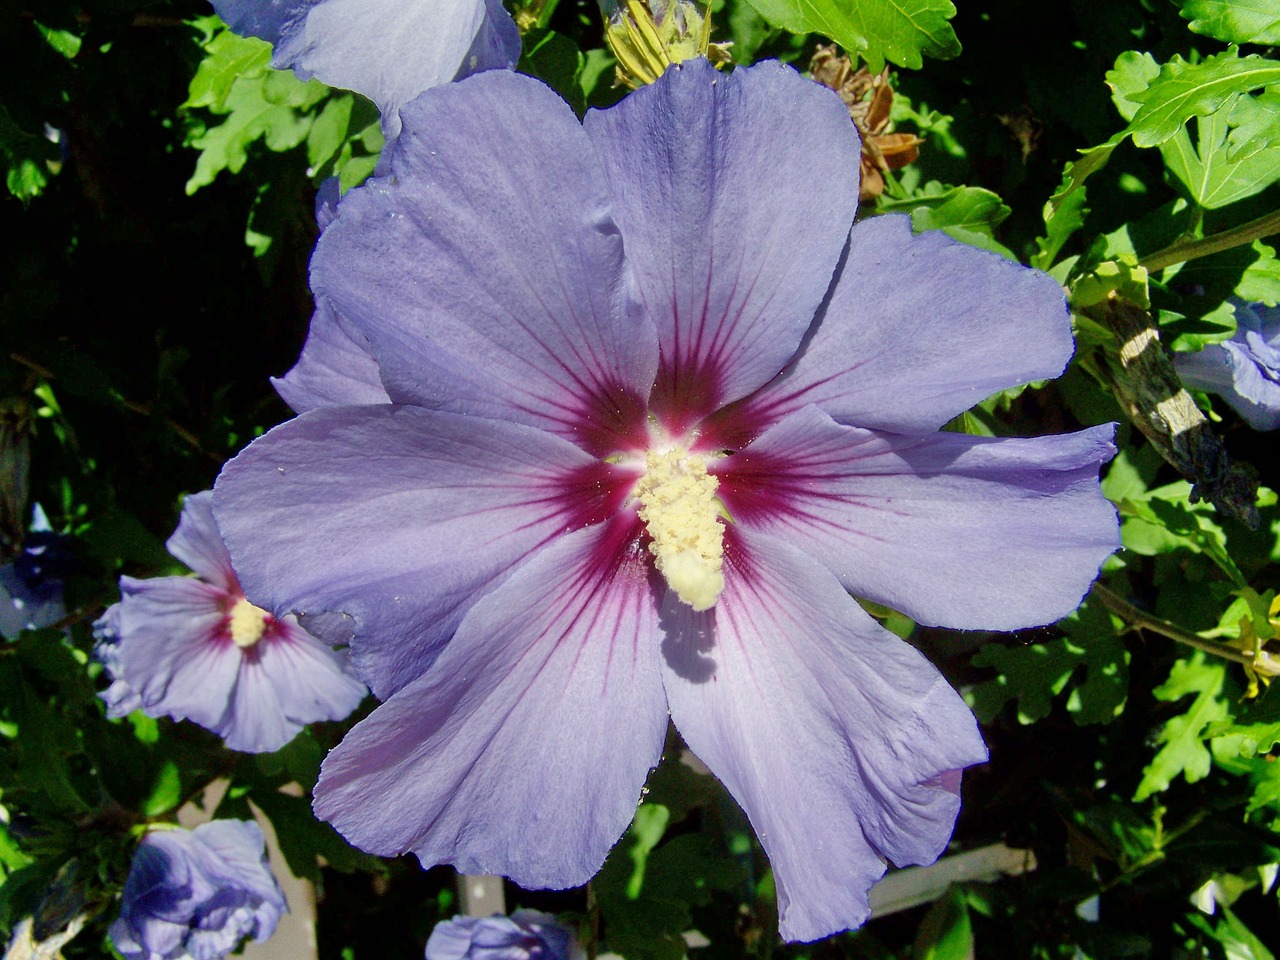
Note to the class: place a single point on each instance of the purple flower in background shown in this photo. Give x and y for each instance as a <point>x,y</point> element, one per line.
<point>388,50</point>
<point>1245,370</point>
<point>199,650</point>
<point>31,585</point>
<point>197,893</point>
<point>525,935</point>
<point>655,413</point>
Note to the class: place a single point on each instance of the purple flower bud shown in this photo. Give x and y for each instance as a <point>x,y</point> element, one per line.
<point>197,893</point>
<point>525,935</point>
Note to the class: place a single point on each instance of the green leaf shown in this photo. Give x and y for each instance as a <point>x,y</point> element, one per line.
<point>899,31</point>
<point>1034,674</point>
<point>1212,178</point>
<point>1183,751</point>
<point>1132,74</point>
<point>1257,730</point>
<point>968,214</point>
<point>946,933</point>
<point>329,130</point>
<point>1185,90</point>
<point>26,157</point>
<point>556,60</point>
<point>1260,282</point>
<point>227,58</point>
<point>1235,21</point>
<point>251,117</point>
<point>166,793</point>
<point>1255,124</point>
<point>1060,222</point>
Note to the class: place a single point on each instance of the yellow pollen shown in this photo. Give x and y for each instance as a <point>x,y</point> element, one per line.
<point>679,508</point>
<point>248,623</point>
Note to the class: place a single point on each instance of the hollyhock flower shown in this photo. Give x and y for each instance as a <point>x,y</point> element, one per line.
<point>388,50</point>
<point>1245,370</point>
<point>655,413</point>
<point>525,935</point>
<point>197,893</point>
<point>198,650</point>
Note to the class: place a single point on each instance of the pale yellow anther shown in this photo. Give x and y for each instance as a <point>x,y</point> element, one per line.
<point>679,508</point>
<point>248,623</point>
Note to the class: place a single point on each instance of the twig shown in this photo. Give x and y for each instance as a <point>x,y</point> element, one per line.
<point>1142,620</point>
<point>1185,250</point>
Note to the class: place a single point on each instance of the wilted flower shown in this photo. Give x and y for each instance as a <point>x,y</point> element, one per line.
<point>31,585</point>
<point>388,50</point>
<point>197,893</point>
<point>198,650</point>
<point>655,413</point>
<point>869,98</point>
<point>525,935</point>
<point>1245,370</point>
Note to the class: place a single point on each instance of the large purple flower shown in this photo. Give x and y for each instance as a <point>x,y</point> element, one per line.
<point>525,935</point>
<point>655,413</point>
<point>388,50</point>
<point>196,894</point>
<point>1245,370</point>
<point>198,650</point>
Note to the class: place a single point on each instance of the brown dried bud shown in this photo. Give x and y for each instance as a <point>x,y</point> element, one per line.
<point>869,99</point>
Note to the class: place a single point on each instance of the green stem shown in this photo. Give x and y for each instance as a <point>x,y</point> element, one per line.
<point>1138,618</point>
<point>1185,250</point>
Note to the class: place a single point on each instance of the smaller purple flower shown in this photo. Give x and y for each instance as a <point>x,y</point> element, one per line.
<point>1245,370</point>
<point>31,585</point>
<point>525,935</point>
<point>197,893</point>
<point>197,649</point>
<point>388,50</point>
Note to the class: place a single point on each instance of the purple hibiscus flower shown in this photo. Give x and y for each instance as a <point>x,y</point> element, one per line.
<point>525,935</point>
<point>199,650</point>
<point>196,894</point>
<point>1245,370</point>
<point>655,413</point>
<point>388,50</point>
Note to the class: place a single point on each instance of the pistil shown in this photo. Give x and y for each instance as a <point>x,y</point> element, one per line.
<point>679,508</point>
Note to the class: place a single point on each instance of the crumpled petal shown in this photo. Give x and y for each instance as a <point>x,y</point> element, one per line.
<point>953,530</point>
<point>523,750</point>
<point>197,893</point>
<point>526,321</point>
<point>198,544</point>
<point>525,935</point>
<point>918,329</point>
<point>735,195</point>
<point>336,367</point>
<point>840,741</point>
<point>388,50</point>
<point>363,510</point>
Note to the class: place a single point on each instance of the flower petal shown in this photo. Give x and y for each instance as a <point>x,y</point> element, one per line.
<point>172,649</point>
<point>336,367</point>
<point>839,740</point>
<point>485,285</point>
<point>288,680</point>
<point>198,544</point>
<point>388,50</point>
<point>362,510</point>
<point>523,750</point>
<point>953,530</point>
<point>735,195</point>
<point>918,329</point>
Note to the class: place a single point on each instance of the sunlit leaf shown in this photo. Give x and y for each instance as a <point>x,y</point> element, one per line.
<point>1182,748</point>
<point>1235,21</point>
<point>900,31</point>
